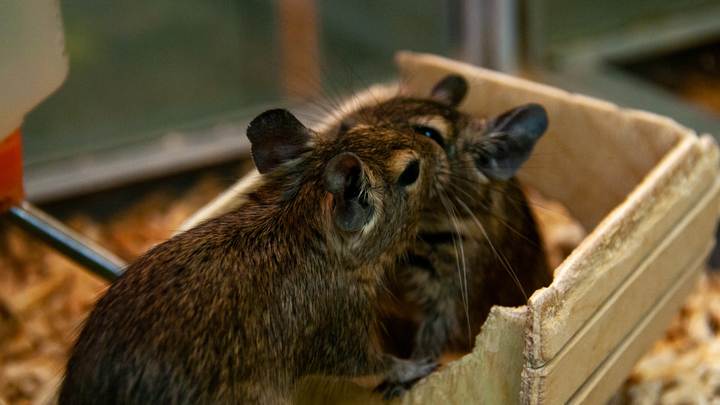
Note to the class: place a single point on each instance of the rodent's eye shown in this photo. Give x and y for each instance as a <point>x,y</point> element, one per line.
<point>433,133</point>
<point>410,174</point>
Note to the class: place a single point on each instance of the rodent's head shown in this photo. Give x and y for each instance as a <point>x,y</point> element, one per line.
<point>476,155</point>
<point>385,164</point>
<point>372,180</point>
<point>495,147</point>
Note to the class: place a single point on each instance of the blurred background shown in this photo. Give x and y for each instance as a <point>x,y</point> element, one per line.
<point>166,86</point>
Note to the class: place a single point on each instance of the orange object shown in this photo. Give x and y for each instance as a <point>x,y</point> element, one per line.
<point>11,175</point>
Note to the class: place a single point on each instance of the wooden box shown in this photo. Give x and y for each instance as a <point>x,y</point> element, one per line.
<point>648,190</point>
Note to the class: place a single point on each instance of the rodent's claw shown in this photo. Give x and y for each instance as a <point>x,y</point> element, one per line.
<point>392,390</point>
<point>395,387</point>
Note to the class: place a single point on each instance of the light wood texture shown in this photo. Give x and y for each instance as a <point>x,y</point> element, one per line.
<point>615,248</point>
<point>606,380</point>
<point>228,200</point>
<point>639,294</point>
<point>488,375</point>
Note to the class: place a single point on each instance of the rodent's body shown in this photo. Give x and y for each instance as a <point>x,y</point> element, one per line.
<point>444,268</point>
<point>478,243</point>
<point>238,308</point>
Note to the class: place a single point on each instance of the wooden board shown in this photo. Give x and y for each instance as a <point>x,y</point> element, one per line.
<point>608,378</point>
<point>488,375</point>
<point>617,246</point>
<point>228,200</point>
<point>556,381</point>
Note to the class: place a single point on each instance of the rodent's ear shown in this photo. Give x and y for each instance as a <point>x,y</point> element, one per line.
<point>451,90</point>
<point>343,179</point>
<point>276,137</point>
<point>510,139</point>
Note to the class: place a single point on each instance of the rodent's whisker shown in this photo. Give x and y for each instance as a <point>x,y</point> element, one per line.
<point>462,190</point>
<point>495,215</point>
<point>499,255</point>
<point>462,275</point>
<point>499,189</point>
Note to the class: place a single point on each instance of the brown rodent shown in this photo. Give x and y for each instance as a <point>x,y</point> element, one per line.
<point>238,308</point>
<point>478,244</point>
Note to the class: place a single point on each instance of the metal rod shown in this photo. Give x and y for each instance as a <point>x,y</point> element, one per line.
<point>473,39</point>
<point>490,33</point>
<point>66,241</point>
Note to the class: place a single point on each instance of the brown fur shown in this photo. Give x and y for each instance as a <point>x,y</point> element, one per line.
<point>238,308</point>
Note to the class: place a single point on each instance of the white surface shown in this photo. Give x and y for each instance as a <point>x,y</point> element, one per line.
<point>33,63</point>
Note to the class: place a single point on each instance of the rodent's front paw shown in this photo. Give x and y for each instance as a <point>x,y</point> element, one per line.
<point>403,376</point>
<point>391,390</point>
